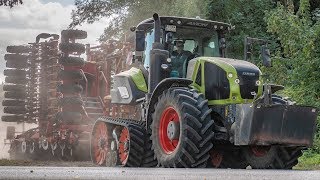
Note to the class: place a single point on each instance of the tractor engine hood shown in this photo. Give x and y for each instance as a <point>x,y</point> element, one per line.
<point>224,80</point>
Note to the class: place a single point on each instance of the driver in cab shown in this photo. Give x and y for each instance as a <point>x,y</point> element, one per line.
<point>178,57</point>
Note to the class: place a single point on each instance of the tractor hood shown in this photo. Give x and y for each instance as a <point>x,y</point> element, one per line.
<point>224,80</point>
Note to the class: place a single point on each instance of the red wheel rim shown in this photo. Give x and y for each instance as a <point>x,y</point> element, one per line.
<point>260,151</point>
<point>100,143</point>
<point>168,115</point>
<point>124,146</point>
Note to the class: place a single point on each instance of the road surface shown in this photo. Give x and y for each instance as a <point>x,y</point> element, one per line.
<point>18,172</point>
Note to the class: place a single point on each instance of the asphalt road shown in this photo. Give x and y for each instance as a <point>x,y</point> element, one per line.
<point>14,172</point>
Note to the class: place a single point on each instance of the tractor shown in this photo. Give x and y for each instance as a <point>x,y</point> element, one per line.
<point>198,108</point>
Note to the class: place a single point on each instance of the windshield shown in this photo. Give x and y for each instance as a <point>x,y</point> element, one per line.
<point>195,41</point>
<point>198,41</point>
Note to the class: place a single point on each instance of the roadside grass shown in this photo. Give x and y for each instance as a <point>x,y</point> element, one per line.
<point>308,161</point>
<point>8,162</point>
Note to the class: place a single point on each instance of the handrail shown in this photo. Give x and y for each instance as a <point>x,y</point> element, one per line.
<point>86,84</point>
<point>104,77</point>
<point>106,81</point>
<point>102,104</point>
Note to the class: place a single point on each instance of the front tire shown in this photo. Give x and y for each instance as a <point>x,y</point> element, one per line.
<point>182,129</point>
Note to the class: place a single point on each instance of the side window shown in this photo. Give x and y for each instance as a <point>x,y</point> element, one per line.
<point>211,46</point>
<point>149,41</point>
<point>190,45</point>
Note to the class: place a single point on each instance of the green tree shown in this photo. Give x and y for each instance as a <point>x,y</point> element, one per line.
<point>124,14</point>
<point>302,50</point>
<point>10,3</point>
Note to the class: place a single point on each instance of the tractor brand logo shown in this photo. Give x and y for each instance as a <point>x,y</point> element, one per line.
<point>248,74</point>
<point>197,24</point>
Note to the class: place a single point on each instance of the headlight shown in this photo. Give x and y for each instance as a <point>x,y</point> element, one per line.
<point>258,83</point>
<point>230,75</point>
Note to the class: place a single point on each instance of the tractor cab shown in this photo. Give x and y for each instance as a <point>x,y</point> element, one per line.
<point>184,39</point>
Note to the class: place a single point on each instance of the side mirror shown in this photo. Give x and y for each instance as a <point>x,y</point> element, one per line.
<point>140,40</point>
<point>265,55</point>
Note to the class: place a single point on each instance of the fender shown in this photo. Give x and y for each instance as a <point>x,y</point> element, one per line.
<point>162,86</point>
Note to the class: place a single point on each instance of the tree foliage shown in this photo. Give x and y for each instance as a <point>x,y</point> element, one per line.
<point>125,13</point>
<point>10,3</point>
<point>299,34</point>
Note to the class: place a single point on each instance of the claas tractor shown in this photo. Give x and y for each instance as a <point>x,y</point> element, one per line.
<point>198,108</point>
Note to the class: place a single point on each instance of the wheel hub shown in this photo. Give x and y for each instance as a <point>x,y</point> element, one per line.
<point>169,130</point>
<point>173,131</point>
<point>101,143</point>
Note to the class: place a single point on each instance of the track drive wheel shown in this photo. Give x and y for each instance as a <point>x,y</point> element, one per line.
<point>100,143</point>
<point>182,129</point>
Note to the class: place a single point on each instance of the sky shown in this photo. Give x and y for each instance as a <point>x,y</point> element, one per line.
<point>21,24</point>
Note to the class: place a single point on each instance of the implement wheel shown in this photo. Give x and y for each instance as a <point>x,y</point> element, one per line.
<point>15,57</point>
<point>16,79</point>
<point>72,48</point>
<point>15,72</point>
<point>15,95</point>
<point>71,61</point>
<point>18,49</point>
<point>182,129</point>
<point>14,87</point>
<point>74,34</point>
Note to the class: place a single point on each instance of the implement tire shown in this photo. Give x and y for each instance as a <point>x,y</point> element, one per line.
<point>12,102</point>
<point>15,95</point>
<point>72,75</point>
<point>15,57</point>
<point>71,61</point>
<point>74,34</point>
<point>69,88</point>
<point>14,87</point>
<point>18,49</point>
<point>73,101</point>
<point>15,110</point>
<point>13,118</point>
<point>16,80</point>
<point>72,48</point>
<point>182,129</point>
<point>14,72</point>
<point>17,64</point>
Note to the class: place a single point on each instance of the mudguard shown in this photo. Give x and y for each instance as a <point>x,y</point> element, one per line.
<point>162,86</point>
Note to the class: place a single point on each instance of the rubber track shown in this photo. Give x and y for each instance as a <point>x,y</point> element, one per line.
<point>137,138</point>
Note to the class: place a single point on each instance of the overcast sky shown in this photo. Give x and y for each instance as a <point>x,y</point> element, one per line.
<point>23,23</point>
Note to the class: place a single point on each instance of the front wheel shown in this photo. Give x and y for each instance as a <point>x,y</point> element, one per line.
<point>182,129</point>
